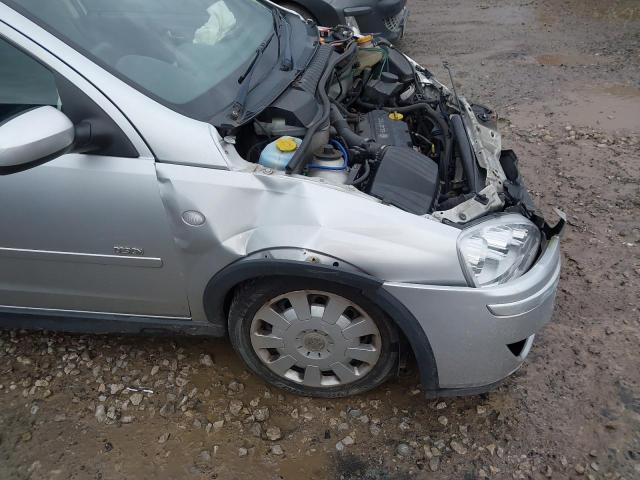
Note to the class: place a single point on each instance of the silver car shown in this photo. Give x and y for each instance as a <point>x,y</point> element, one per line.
<point>225,168</point>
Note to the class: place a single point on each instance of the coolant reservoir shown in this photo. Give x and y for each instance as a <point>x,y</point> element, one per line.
<point>368,54</point>
<point>278,153</point>
<point>329,164</point>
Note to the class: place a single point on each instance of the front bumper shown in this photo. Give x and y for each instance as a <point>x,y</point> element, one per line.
<point>481,335</point>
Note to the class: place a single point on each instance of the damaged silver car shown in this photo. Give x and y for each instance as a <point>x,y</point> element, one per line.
<point>230,169</point>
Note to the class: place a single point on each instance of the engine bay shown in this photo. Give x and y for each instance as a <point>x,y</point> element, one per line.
<point>363,114</point>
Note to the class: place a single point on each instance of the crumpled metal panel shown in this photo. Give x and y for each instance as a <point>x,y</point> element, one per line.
<point>247,212</point>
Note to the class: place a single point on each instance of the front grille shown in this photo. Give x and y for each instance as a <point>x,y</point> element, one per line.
<point>394,23</point>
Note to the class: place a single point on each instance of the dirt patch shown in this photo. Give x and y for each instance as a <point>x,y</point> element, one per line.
<point>93,407</point>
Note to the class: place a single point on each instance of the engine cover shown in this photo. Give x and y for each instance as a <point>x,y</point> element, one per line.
<point>377,126</point>
<point>406,179</point>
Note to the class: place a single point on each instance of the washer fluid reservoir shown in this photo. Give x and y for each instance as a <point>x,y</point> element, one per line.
<point>278,153</point>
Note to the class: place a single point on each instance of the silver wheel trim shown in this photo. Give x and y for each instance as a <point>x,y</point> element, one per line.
<point>315,338</point>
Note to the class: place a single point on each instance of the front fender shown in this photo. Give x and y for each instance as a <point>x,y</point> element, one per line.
<point>248,212</point>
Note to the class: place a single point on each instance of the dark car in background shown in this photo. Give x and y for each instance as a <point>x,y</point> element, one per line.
<point>383,18</point>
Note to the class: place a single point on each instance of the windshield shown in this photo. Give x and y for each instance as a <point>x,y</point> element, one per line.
<point>182,52</point>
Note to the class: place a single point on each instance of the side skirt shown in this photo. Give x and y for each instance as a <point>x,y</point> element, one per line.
<point>101,323</point>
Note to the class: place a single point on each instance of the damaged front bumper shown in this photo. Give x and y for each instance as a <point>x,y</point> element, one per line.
<point>479,336</point>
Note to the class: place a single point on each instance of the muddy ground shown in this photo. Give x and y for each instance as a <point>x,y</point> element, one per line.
<point>565,76</point>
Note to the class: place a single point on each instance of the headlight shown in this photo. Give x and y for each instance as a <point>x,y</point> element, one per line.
<point>494,251</point>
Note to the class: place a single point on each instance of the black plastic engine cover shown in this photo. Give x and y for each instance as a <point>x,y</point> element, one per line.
<point>298,105</point>
<point>407,179</point>
<point>380,91</point>
<point>377,126</point>
<point>400,66</point>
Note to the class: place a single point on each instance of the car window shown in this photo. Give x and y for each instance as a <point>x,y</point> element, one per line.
<point>24,82</point>
<point>182,52</point>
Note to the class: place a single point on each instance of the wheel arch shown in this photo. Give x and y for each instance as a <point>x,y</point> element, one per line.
<point>220,288</point>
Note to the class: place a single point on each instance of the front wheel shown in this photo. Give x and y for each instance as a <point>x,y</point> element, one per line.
<point>312,337</point>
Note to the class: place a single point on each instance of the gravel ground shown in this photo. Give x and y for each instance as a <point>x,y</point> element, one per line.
<point>564,75</point>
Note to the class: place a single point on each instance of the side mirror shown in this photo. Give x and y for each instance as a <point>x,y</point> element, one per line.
<point>34,137</point>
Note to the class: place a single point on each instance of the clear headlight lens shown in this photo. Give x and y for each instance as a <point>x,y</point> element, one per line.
<point>497,250</point>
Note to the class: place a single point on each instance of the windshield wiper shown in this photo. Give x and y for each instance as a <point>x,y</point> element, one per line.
<point>284,39</point>
<point>238,105</point>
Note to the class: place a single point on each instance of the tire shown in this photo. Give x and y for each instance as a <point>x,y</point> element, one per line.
<point>312,356</point>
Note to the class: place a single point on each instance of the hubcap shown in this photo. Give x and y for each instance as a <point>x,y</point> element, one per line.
<point>315,338</point>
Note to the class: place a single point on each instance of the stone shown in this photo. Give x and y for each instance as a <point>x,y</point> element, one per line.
<point>348,440</point>
<point>261,414</point>
<point>481,410</point>
<point>218,424</point>
<point>136,399</point>
<point>434,463</point>
<point>111,413</point>
<point>458,447</point>
<point>256,430</point>
<point>204,456</point>
<point>115,388</point>
<point>242,452</point>
<point>167,409</point>
<point>374,430</point>
<point>236,387</point>
<point>404,450</point>
<point>273,433</point>
<point>441,406</point>
<point>206,360</point>
<point>100,414</point>
<point>235,406</point>
<point>277,450</point>
<point>443,420</point>
<point>163,438</point>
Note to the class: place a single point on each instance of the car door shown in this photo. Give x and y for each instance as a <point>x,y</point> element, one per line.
<point>86,231</point>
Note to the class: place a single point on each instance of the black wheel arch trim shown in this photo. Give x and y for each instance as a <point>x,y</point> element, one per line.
<point>224,282</point>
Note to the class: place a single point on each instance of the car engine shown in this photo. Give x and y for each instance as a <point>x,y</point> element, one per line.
<point>363,114</point>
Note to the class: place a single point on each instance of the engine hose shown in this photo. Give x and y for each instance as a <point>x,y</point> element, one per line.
<point>343,110</point>
<point>364,176</point>
<point>351,138</point>
<point>296,163</point>
<point>446,134</point>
